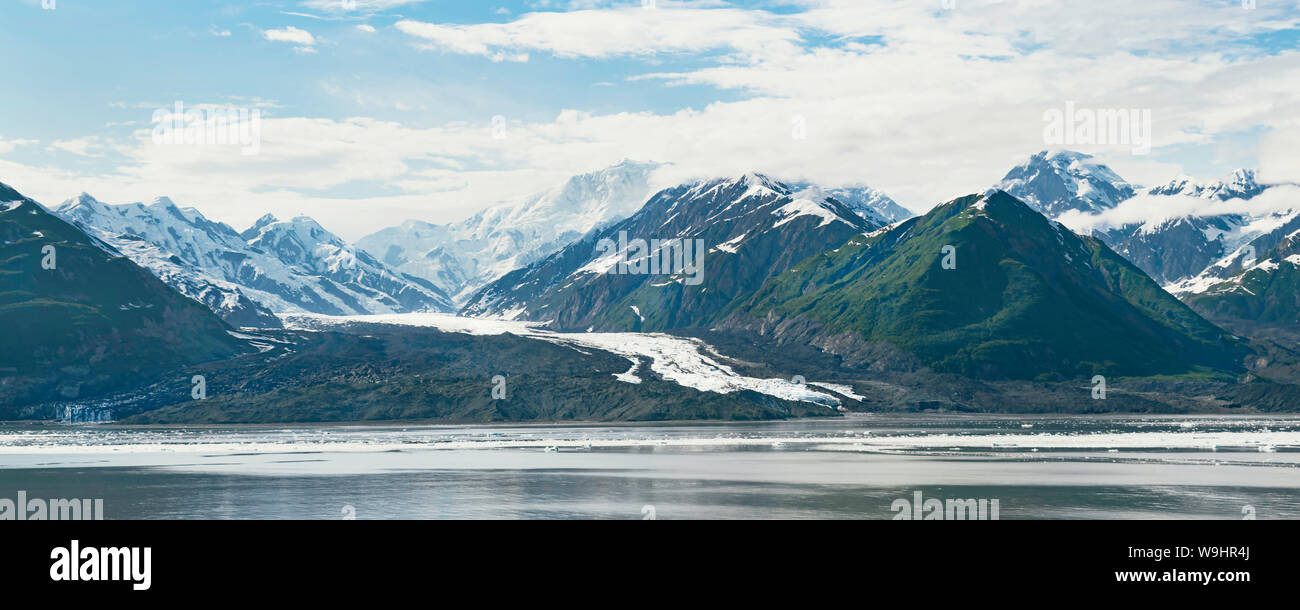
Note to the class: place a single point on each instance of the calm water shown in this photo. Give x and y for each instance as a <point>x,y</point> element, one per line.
<point>1036,468</point>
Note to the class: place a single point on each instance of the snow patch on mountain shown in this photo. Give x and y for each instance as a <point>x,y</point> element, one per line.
<point>806,207</point>
<point>869,203</point>
<point>676,359</point>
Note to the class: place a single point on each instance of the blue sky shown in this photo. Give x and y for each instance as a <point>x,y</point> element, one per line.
<point>383,111</point>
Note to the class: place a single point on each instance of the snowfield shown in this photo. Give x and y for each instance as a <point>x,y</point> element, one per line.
<point>676,359</point>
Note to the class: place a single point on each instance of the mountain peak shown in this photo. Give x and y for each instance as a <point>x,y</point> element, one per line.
<point>163,202</point>
<point>755,183</point>
<point>985,286</point>
<point>84,200</point>
<point>7,193</point>
<point>869,203</point>
<point>305,220</point>
<point>1056,181</point>
<point>252,232</point>
<point>1058,157</point>
<point>629,163</point>
<point>1240,184</point>
<point>301,229</point>
<point>463,256</point>
<point>993,202</point>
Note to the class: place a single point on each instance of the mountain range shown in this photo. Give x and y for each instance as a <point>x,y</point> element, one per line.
<point>81,319</point>
<point>984,286</point>
<point>297,266</point>
<point>272,267</point>
<point>1173,248</point>
<point>1220,245</point>
<point>1258,293</point>
<point>723,236</point>
<point>985,300</point>
<point>461,257</point>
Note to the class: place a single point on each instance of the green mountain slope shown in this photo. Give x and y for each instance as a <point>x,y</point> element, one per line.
<point>1027,299</point>
<point>1266,295</point>
<point>92,323</point>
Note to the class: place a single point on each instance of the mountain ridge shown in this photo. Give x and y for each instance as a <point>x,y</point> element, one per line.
<point>246,277</point>
<point>1000,311</point>
<point>745,227</point>
<point>83,320</point>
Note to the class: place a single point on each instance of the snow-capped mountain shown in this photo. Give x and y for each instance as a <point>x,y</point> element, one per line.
<point>294,266</point>
<point>1025,298</point>
<point>460,258</point>
<point>349,279</point>
<point>93,323</point>
<point>869,203</point>
<point>1054,182</point>
<point>680,261</point>
<point>1240,185</point>
<point>1263,234</point>
<point>1246,292</point>
<point>1173,248</point>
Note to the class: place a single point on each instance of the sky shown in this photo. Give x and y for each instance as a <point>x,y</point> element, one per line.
<point>371,112</point>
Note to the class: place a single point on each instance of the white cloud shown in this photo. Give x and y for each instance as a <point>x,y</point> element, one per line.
<point>290,34</point>
<point>922,103</point>
<point>366,28</point>
<point>613,32</point>
<point>1279,155</point>
<point>8,146</point>
<point>84,147</point>
<point>925,103</point>
<point>368,6</point>
<point>1157,208</point>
